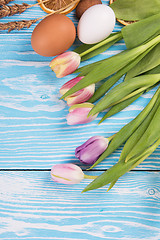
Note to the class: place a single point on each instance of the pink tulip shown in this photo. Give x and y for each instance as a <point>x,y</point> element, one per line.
<point>67,173</point>
<point>65,63</point>
<point>79,97</point>
<point>78,114</point>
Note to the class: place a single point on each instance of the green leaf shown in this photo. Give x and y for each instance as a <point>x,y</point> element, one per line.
<point>125,132</point>
<point>120,106</point>
<point>110,66</point>
<point>87,68</point>
<point>151,134</point>
<point>99,50</point>
<point>131,10</point>
<point>84,47</point>
<point>106,85</point>
<point>135,137</point>
<point>112,80</point>
<point>151,60</point>
<point>111,175</point>
<point>95,49</point>
<point>112,184</point>
<point>154,70</point>
<point>138,33</point>
<point>122,90</point>
<point>140,158</point>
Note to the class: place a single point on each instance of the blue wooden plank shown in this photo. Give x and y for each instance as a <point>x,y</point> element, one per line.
<point>34,207</point>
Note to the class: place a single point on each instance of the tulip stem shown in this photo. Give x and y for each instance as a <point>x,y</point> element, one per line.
<point>89,177</point>
<point>111,137</point>
<point>100,44</point>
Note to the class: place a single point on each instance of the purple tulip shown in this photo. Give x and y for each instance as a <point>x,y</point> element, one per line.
<point>89,152</point>
<point>67,173</point>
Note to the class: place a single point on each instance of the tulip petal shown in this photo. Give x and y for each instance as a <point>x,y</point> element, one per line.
<point>81,96</point>
<point>70,84</point>
<point>67,173</point>
<point>81,105</point>
<point>65,63</point>
<point>79,116</point>
<point>90,151</point>
<point>89,141</point>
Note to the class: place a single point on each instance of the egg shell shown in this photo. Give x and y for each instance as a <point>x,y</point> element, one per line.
<point>53,35</point>
<point>96,23</point>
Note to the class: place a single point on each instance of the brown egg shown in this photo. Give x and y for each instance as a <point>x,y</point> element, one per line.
<point>53,35</point>
<point>83,5</point>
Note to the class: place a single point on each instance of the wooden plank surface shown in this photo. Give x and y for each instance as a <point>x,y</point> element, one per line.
<point>34,135</point>
<point>34,207</point>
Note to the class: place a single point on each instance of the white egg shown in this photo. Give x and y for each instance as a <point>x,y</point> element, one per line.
<point>96,23</point>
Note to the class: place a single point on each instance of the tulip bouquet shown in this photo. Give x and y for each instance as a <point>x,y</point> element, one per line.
<point>140,63</point>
